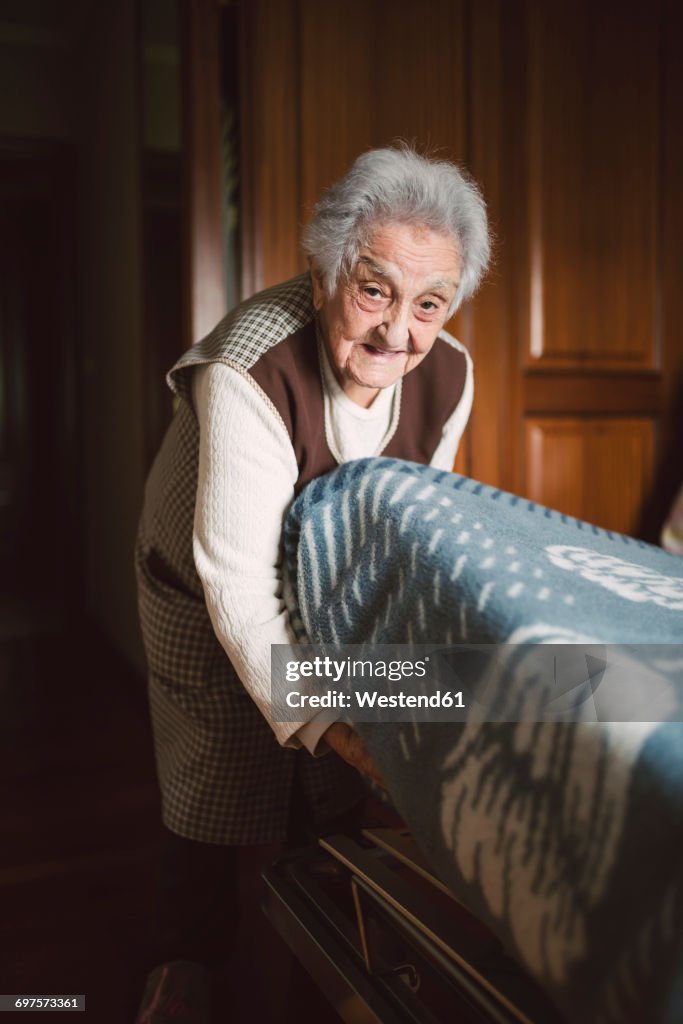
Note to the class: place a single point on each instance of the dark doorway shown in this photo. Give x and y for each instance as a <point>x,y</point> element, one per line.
<point>40,551</point>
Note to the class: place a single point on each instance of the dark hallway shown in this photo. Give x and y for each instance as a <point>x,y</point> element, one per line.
<point>80,813</point>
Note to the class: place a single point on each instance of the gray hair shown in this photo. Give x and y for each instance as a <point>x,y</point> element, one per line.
<point>399,185</point>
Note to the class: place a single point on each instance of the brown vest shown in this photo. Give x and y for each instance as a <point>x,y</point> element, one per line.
<point>289,374</point>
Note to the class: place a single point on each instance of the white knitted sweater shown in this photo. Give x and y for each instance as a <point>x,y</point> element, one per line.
<point>247,475</point>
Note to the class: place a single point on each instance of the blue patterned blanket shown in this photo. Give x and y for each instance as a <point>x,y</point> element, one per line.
<point>564,836</point>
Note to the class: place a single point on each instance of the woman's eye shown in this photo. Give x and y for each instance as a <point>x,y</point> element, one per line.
<point>374,293</point>
<point>428,306</point>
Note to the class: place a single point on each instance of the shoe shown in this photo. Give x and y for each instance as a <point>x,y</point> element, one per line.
<point>177,993</point>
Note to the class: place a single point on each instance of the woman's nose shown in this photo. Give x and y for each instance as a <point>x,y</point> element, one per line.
<point>396,329</point>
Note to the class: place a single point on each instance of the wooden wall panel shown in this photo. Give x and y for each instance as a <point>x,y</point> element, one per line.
<point>669,472</point>
<point>593,101</point>
<point>594,469</point>
<point>317,92</point>
<point>357,92</point>
<point>486,319</point>
<point>421,88</point>
<point>569,118</point>
<point>204,296</point>
<point>271,171</point>
<point>338,91</point>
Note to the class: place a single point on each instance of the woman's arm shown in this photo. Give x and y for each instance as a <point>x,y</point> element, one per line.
<point>247,473</point>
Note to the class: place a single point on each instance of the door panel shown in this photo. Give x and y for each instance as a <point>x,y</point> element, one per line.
<point>593,469</point>
<point>593,184</point>
<point>569,117</point>
<point>589,324</point>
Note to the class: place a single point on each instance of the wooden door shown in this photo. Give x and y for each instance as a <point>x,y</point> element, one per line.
<point>581,156</point>
<point>569,116</point>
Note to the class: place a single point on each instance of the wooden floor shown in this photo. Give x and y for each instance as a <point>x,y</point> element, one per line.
<point>80,830</point>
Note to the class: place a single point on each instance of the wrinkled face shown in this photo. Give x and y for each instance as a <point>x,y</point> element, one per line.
<point>384,319</point>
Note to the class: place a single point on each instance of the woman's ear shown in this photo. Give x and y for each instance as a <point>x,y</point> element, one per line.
<point>317,281</point>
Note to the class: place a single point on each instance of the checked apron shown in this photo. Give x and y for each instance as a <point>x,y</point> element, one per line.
<point>223,776</point>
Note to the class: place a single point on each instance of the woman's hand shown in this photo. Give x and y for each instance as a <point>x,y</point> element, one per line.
<point>348,744</point>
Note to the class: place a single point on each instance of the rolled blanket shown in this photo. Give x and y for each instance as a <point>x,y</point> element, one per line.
<point>564,836</point>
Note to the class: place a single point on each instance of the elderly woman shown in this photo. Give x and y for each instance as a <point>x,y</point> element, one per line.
<point>347,361</point>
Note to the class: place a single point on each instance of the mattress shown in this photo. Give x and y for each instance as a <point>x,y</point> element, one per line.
<point>561,831</point>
